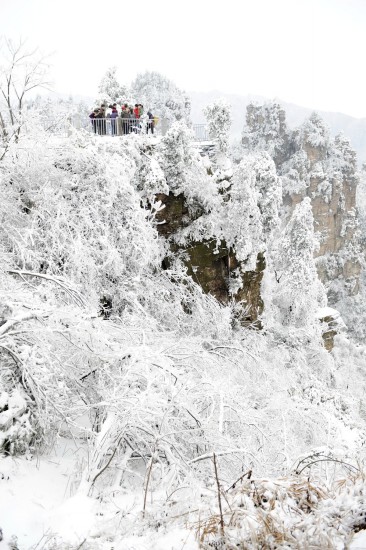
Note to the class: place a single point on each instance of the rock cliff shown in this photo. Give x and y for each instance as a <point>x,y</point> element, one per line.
<point>210,265</point>
<point>308,163</point>
<point>312,164</point>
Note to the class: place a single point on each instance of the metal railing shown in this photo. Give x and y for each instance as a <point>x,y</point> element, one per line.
<point>201,132</point>
<point>123,126</point>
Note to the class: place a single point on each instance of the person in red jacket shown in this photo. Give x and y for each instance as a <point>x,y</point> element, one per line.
<point>136,111</point>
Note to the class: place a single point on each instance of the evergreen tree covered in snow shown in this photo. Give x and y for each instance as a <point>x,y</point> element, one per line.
<point>315,131</point>
<point>110,90</point>
<point>252,210</point>
<point>182,166</point>
<point>296,290</point>
<point>218,115</point>
<point>162,96</point>
<point>266,130</point>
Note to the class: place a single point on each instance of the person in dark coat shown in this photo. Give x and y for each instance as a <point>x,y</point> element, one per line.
<point>93,116</point>
<point>125,115</point>
<point>102,121</point>
<point>150,123</point>
<point>114,115</point>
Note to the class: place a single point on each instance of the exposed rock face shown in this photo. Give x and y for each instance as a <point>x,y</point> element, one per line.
<point>311,164</point>
<point>332,324</point>
<point>210,265</point>
<point>174,216</point>
<point>329,333</point>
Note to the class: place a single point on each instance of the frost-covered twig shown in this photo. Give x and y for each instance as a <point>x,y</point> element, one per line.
<point>21,318</point>
<point>65,285</point>
<point>219,453</point>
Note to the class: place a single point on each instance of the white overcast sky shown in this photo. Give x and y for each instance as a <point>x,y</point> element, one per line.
<point>308,52</point>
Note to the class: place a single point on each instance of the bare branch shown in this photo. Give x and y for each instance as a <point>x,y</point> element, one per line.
<point>21,72</point>
<point>16,320</point>
<point>65,285</point>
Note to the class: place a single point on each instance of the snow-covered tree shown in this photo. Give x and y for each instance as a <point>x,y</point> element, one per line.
<point>110,90</point>
<point>252,209</point>
<point>315,131</point>
<point>295,291</point>
<point>182,167</point>
<point>162,96</point>
<point>218,115</point>
<point>266,130</point>
<point>22,70</point>
<point>84,187</point>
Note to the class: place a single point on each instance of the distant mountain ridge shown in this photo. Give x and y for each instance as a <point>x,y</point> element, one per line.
<point>353,128</point>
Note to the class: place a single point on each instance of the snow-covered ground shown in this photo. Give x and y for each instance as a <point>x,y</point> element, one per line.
<point>39,507</point>
<point>33,493</point>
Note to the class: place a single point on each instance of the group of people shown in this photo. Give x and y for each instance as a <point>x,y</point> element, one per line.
<point>120,120</point>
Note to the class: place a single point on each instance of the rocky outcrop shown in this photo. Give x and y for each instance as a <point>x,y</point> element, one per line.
<point>314,165</point>
<point>332,184</point>
<point>212,265</point>
<point>332,324</point>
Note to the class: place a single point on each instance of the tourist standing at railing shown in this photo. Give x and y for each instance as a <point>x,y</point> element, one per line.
<point>136,111</point>
<point>101,122</point>
<point>150,124</point>
<point>93,116</point>
<point>125,115</point>
<point>114,115</point>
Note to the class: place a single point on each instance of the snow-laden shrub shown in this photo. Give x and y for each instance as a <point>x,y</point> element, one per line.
<point>284,513</point>
<point>16,431</point>
<point>79,215</point>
